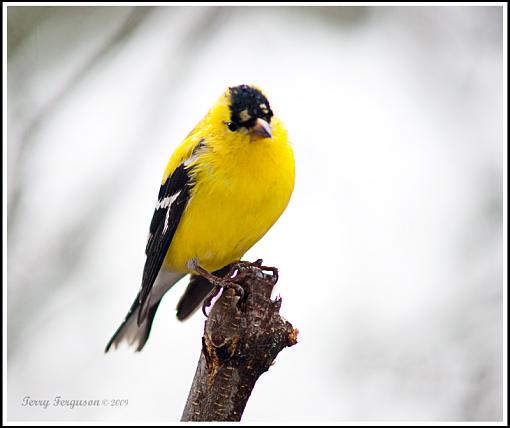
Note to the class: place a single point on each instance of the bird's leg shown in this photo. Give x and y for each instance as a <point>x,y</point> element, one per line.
<point>224,282</point>
<point>218,283</point>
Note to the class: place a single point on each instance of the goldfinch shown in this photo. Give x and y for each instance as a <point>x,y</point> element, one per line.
<point>222,190</point>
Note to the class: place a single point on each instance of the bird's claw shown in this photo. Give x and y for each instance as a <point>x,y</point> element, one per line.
<point>221,284</point>
<point>208,300</point>
<point>258,264</point>
<point>229,280</point>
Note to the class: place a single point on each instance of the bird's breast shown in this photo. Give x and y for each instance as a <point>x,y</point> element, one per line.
<point>234,202</point>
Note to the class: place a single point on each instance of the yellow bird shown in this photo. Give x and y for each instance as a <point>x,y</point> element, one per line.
<point>222,190</point>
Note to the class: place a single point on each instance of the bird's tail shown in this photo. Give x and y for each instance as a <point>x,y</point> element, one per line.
<point>137,335</point>
<point>132,333</point>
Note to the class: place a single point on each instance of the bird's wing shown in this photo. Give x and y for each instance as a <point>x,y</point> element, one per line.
<point>173,198</point>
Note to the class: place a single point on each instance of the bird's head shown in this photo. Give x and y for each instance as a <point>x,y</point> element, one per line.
<point>250,112</point>
<point>244,114</point>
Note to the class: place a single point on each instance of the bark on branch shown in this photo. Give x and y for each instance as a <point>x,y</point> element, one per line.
<point>242,337</point>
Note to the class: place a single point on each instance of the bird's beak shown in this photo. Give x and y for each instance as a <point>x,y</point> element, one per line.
<point>262,129</point>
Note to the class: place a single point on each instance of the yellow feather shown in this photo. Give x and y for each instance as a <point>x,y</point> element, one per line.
<point>241,188</point>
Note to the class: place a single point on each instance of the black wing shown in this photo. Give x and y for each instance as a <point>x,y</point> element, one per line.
<point>172,200</point>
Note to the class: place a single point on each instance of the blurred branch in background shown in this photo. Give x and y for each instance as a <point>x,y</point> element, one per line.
<point>121,36</point>
<point>22,22</point>
<point>64,253</point>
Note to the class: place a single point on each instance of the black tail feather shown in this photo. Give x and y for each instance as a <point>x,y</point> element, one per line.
<point>196,291</point>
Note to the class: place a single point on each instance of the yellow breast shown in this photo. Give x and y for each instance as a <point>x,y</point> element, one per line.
<point>241,188</point>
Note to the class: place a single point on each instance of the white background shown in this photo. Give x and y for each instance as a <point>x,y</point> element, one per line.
<point>390,252</point>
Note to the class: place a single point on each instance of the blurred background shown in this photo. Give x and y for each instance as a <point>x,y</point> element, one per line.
<point>390,252</point>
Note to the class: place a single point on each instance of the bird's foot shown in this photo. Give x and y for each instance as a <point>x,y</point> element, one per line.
<point>238,270</point>
<point>219,284</point>
<point>238,266</point>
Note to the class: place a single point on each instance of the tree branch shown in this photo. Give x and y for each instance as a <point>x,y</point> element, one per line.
<point>242,337</point>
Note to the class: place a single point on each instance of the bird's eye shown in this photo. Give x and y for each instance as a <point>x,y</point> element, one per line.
<point>232,126</point>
